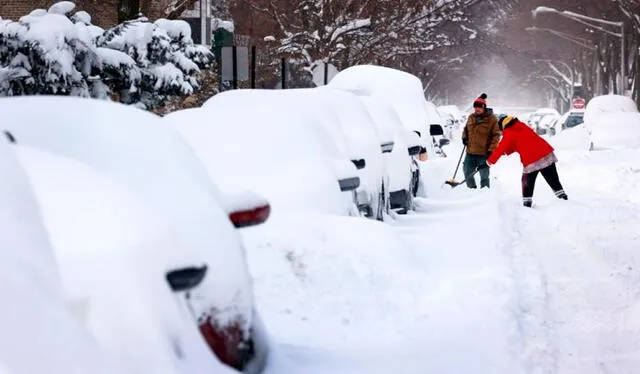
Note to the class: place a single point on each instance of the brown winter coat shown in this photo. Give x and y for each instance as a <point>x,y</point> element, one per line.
<point>482,135</point>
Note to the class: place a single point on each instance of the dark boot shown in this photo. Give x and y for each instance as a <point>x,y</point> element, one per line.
<point>561,195</point>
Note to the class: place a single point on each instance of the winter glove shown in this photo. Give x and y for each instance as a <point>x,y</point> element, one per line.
<point>465,141</point>
<point>484,165</point>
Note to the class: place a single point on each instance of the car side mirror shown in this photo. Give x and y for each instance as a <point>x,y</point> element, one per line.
<point>435,130</point>
<point>186,279</point>
<point>415,150</point>
<point>360,164</point>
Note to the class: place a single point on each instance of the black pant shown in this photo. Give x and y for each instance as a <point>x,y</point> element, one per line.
<point>550,174</point>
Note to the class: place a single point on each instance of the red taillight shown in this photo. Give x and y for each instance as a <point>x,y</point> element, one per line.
<point>225,343</point>
<point>252,217</point>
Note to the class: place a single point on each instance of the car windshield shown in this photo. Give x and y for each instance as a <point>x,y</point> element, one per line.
<point>574,120</point>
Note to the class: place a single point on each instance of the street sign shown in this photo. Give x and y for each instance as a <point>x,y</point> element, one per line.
<point>578,103</point>
<point>323,72</point>
<point>241,63</point>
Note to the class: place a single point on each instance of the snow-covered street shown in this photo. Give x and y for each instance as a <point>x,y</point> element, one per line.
<point>472,282</point>
<point>278,187</point>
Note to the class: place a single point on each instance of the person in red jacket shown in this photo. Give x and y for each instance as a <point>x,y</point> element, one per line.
<point>536,155</point>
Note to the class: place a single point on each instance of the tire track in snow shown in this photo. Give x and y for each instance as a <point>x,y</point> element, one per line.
<point>596,305</point>
<point>531,304</point>
<point>457,241</point>
<point>578,313</point>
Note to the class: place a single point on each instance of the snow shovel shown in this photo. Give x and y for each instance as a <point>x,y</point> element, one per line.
<point>455,184</point>
<point>452,181</point>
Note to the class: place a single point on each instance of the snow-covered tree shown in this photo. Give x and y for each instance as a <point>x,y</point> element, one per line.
<point>347,32</point>
<point>59,52</point>
<point>164,52</point>
<point>47,53</point>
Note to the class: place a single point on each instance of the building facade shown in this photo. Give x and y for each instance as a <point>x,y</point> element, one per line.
<point>104,13</point>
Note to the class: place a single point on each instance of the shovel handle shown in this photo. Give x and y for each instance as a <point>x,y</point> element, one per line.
<point>460,159</point>
<point>466,179</point>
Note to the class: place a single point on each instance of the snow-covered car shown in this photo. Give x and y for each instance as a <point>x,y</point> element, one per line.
<point>575,138</point>
<point>608,104</point>
<point>403,90</point>
<point>281,154</point>
<point>139,151</point>
<point>348,124</point>
<point>116,257</point>
<point>40,331</point>
<point>452,112</point>
<point>546,125</point>
<point>571,119</point>
<point>539,114</point>
<point>360,130</point>
<point>613,121</point>
<point>401,168</point>
<point>453,119</point>
<point>436,129</point>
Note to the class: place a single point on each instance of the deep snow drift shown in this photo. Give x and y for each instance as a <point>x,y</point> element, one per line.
<point>472,282</point>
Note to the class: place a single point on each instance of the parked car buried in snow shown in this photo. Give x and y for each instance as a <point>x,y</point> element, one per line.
<point>613,121</point>
<point>401,167</point>
<point>280,154</point>
<point>144,155</point>
<point>99,229</point>
<point>436,129</point>
<point>402,90</point>
<point>538,115</point>
<point>342,119</point>
<point>358,127</point>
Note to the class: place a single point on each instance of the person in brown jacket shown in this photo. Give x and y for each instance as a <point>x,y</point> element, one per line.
<point>481,135</point>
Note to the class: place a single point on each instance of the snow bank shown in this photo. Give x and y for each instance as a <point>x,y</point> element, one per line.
<point>385,294</point>
<point>577,138</point>
<point>316,274</point>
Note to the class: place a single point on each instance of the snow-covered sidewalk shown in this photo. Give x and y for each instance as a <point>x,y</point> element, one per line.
<point>472,282</point>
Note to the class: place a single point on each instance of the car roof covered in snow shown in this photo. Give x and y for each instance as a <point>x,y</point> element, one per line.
<point>608,104</point>
<point>30,283</point>
<point>402,89</point>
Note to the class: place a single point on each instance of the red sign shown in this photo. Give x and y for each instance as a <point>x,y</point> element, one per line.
<point>578,103</point>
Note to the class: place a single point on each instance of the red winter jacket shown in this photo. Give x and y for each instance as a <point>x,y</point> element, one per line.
<point>520,138</point>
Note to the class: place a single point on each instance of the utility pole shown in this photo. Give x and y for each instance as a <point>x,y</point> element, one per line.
<point>205,16</point>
